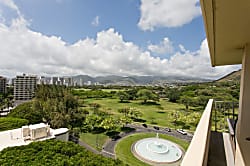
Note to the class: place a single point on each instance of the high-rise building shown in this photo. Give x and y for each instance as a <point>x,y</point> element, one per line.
<point>41,80</point>
<point>68,81</point>
<point>60,81</point>
<point>53,80</point>
<point>24,87</point>
<point>2,84</point>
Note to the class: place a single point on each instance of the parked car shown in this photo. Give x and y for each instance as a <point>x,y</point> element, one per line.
<point>167,129</point>
<point>145,125</point>
<point>116,137</point>
<point>156,128</point>
<point>182,131</point>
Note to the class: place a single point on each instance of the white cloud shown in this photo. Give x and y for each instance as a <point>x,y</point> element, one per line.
<point>95,21</point>
<point>16,22</point>
<point>31,52</point>
<point>167,13</point>
<point>165,47</point>
<point>182,48</point>
<point>11,5</point>
<point>2,19</point>
<point>26,51</point>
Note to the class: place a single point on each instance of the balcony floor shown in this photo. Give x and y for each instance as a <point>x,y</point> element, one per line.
<point>220,150</point>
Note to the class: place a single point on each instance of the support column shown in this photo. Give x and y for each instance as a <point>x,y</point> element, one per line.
<point>243,123</point>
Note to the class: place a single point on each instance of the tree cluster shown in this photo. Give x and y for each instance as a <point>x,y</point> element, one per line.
<point>54,105</point>
<point>6,99</point>
<point>141,94</point>
<point>8,123</point>
<point>94,93</point>
<point>53,152</point>
<point>198,94</point>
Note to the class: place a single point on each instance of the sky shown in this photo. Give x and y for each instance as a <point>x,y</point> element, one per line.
<point>105,37</point>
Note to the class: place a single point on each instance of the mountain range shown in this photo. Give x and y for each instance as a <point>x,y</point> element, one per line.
<point>134,80</point>
<point>233,76</point>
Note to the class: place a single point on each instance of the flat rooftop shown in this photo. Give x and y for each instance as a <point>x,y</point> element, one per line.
<point>11,138</point>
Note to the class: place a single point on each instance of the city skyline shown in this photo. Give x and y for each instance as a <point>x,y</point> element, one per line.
<point>133,37</point>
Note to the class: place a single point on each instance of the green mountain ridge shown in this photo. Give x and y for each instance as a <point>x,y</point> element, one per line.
<point>233,76</point>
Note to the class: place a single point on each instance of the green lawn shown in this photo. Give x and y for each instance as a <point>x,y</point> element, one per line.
<point>105,90</point>
<point>123,148</point>
<point>161,114</point>
<point>94,139</point>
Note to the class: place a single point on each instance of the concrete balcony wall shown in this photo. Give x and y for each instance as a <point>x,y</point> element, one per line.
<point>197,152</point>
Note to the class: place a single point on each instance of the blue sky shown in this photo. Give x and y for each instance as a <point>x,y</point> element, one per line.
<point>97,37</point>
<point>71,20</point>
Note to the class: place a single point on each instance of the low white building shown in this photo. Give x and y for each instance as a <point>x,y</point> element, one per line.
<point>31,133</point>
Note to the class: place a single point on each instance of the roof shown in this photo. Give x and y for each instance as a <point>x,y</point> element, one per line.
<point>35,126</point>
<point>12,138</point>
<point>60,131</point>
<point>227,29</point>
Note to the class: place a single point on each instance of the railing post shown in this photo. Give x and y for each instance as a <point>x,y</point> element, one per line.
<point>215,117</point>
<point>233,111</point>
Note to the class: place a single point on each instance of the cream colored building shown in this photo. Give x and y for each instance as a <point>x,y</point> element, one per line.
<point>227,24</point>
<point>24,87</point>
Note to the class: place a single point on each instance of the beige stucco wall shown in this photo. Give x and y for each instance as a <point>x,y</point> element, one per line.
<point>243,124</point>
<point>63,137</point>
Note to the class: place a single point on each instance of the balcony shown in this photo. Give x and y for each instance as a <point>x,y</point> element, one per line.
<point>210,147</point>
<point>221,20</point>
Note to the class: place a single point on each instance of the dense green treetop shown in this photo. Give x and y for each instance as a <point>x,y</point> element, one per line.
<point>53,152</point>
<point>54,105</point>
<point>123,96</point>
<point>27,111</point>
<point>146,94</point>
<point>8,123</point>
<point>91,93</point>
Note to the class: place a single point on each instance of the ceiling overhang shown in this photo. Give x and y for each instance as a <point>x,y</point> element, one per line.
<point>227,24</point>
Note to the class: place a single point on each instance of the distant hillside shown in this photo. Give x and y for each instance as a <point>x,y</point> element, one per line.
<point>234,76</point>
<point>133,80</point>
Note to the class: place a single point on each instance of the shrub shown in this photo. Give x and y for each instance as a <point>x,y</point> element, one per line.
<point>7,123</point>
<point>53,152</point>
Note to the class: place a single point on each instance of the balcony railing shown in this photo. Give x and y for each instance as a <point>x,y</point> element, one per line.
<point>224,111</point>
<point>197,153</point>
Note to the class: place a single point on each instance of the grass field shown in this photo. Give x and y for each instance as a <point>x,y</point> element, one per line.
<point>123,148</point>
<point>104,90</point>
<point>161,114</point>
<point>94,140</point>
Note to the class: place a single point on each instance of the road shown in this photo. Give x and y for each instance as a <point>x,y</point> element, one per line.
<point>108,149</point>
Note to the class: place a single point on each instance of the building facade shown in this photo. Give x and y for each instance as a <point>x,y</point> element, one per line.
<point>24,87</point>
<point>228,36</point>
<point>2,85</point>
